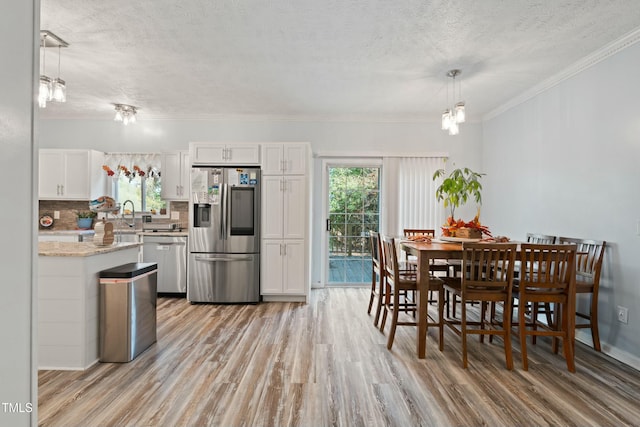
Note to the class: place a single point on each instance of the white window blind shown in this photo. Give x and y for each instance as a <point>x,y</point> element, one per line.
<point>409,194</point>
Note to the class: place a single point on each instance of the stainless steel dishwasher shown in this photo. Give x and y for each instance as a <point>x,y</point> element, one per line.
<point>170,253</point>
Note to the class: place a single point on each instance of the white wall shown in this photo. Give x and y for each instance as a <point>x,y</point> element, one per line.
<point>19,22</point>
<point>325,137</point>
<point>566,163</point>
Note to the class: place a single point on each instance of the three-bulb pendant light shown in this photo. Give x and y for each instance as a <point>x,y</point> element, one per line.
<point>125,113</point>
<point>452,117</point>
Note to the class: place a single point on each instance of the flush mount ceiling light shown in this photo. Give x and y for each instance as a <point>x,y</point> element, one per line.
<point>452,117</point>
<point>125,113</point>
<point>51,89</point>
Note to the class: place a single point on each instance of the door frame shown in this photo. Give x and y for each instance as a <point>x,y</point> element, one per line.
<point>374,162</point>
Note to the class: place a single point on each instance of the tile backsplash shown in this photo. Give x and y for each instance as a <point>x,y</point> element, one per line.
<point>68,210</point>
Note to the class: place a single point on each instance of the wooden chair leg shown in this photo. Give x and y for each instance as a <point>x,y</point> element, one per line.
<point>387,298</point>
<point>380,303</point>
<point>373,292</point>
<point>463,330</point>
<point>522,328</point>
<point>506,327</point>
<point>454,301</point>
<point>483,309</point>
<point>595,335</point>
<point>534,317</point>
<point>441,318</point>
<point>394,320</point>
<point>554,341</point>
<point>549,313</point>
<point>568,343</point>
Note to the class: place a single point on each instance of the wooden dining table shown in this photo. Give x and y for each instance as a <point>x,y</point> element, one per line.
<point>427,251</point>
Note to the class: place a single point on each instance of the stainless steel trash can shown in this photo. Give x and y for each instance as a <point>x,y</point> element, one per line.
<point>128,298</point>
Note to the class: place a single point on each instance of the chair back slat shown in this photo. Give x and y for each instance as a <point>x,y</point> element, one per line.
<point>390,259</point>
<point>376,255</point>
<point>487,267</point>
<point>547,269</point>
<point>544,239</point>
<point>427,232</point>
<point>589,257</point>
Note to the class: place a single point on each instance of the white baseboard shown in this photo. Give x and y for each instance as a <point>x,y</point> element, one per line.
<point>284,298</point>
<point>611,351</point>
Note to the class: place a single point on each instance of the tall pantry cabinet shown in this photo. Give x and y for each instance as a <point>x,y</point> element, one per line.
<point>285,221</point>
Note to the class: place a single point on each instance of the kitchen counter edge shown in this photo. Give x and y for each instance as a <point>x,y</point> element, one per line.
<point>80,249</point>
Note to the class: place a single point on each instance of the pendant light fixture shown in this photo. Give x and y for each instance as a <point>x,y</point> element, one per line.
<point>59,85</point>
<point>125,113</point>
<point>452,117</point>
<point>44,91</point>
<point>51,89</point>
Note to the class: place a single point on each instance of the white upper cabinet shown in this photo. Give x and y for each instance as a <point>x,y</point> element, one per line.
<point>71,174</point>
<point>284,159</point>
<point>175,175</point>
<point>210,153</point>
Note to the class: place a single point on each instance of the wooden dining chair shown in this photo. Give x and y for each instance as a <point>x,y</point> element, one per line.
<point>377,276</point>
<point>397,283</point>
<point>590,254</point>
<point>436,264</point>
<point>546,309</point>
<point>547,275</point>
<point>482,281</point>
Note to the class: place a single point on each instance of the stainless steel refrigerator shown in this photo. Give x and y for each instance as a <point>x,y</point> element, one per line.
<point>224,235</point>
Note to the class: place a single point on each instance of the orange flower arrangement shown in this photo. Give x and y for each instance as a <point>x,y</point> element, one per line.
<point>450,227</point>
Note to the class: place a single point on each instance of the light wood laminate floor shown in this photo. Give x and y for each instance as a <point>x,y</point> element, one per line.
<point>324,364</point>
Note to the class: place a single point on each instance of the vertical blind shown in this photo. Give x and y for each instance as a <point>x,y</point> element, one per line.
<point>409,193</point>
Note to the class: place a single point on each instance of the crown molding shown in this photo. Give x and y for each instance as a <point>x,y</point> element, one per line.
<point>578,67</point>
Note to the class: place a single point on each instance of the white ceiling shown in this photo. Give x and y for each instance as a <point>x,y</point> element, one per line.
<point>317,59</point>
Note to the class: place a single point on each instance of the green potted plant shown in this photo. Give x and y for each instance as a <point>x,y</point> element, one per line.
<point>455,190</point>
<point>84,219</point>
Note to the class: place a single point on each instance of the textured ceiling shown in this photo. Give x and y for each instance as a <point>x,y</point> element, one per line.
<point>317,59</point>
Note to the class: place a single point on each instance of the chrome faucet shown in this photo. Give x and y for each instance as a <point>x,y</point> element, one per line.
<point>133,214</point>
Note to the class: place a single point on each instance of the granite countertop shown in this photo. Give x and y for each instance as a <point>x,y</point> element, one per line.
<point>182,233</point>
<point>80,249</point>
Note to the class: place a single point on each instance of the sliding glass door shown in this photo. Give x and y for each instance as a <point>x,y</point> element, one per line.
<point>353,208</point>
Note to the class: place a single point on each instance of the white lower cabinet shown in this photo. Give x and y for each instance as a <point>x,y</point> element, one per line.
<point>283,267</point>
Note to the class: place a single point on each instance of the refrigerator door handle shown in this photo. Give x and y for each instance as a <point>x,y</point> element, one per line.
<point>223,213</point>
<point>223,259</point>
